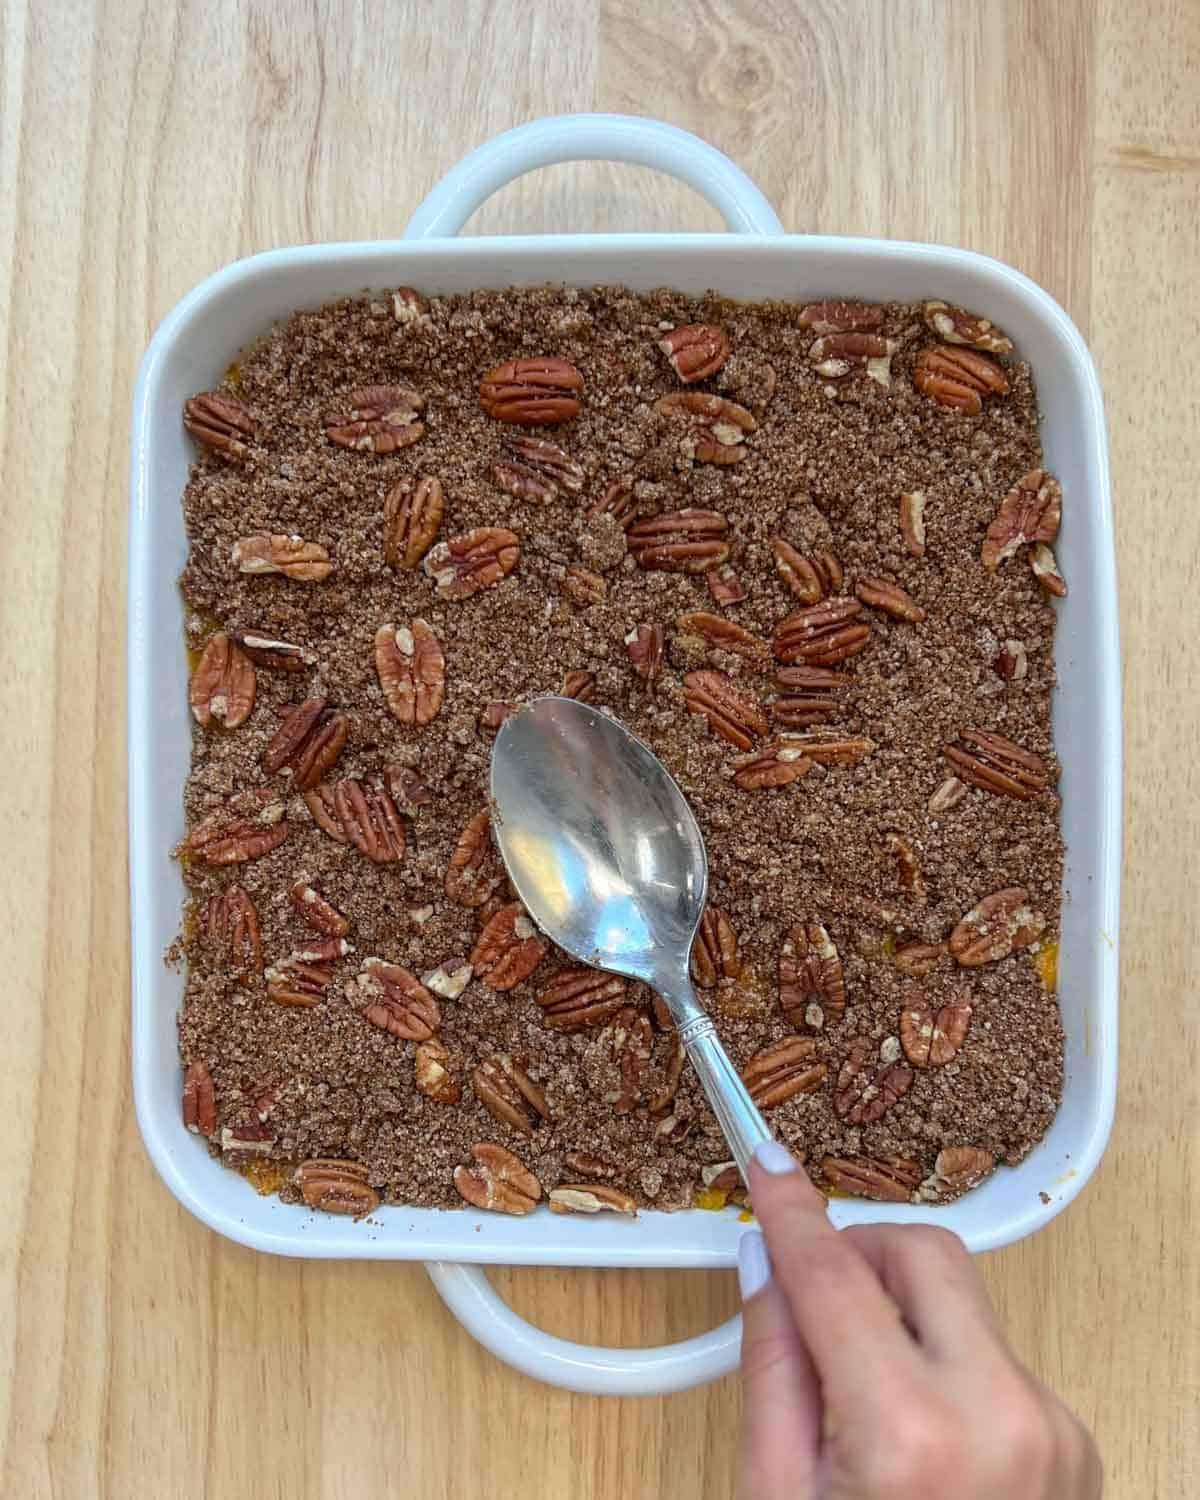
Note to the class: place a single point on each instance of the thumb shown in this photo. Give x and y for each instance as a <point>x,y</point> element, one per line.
<point>781,1401</point>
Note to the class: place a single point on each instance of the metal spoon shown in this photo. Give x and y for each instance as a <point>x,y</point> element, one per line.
<point>608,859</point>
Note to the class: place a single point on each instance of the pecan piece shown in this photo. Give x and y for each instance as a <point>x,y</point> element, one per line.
<point>199,1100</point>
<point>718,631</point>
<point>320,914</point>
<point>958,378</point>
<point>412,671</point>
<point>879,593</point>
<point>715,950</point>
<point>583,587</point>
<point>908,867</point>
<point>716,428</point>
<point>276,656</point>
<point>474,874</point>
<point>644,647</point>
<point>808,578</point>
<point>724,585</point>
<point>579,685</point>
<point>531,468</point>
<point>827,748</point>
<point>680,541</point>
<point>408,792</point>
<point>588,1165</point>
<point>231,931</point>
<point>629,1042</point>
<point>377,419</point>
<point>618,501</point>
<point>508,949</point>
<point>948,795</point>
<point>498,1181</point>
<point>223,684</point>
<point>998,924</point>
<point>370,821</point>
<point>664,1097</point>
<point>996,764</point>
<point>581,997</point>
<point>1030,513</point>
<point>449,979</point>
<point>397,1001</point>
<point>493,715</point>
<point>222,424</point>
<point>431,1072</point>
<point>932,1038</point>
<point>955,326</point>
<point>471,562</point>
<point>823,636</point>
<point>408,306</point>
<point>588,1198</point>
<point>223,838</point>
<point>886,1179</point>
<point>539,392</point>
<point>506,1091</point>
<point>912,522</point>
<point>1012,661</point>
<point>274,552</point>
<point>778,764</point>
<point>956,1170</point>
<point>412,518</point>
<point>303,978</point>
<point>1045,569</point>
<point>868,1087</point>
<point>695,351</point>
<point>336,1187</point>
<point>729,715</point>
<point>836,355</point>
<point>783,1070</point>
<point>918,959</point>
<point>840,317</point>
<point>812,986</point>
<point>307,744</point>
<point>808,695</point>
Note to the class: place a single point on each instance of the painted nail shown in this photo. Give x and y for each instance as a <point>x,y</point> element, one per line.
<point>774,1158</point>
<point>754,1264</point>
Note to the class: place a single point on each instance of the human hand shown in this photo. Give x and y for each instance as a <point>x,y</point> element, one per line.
<point>873,1366</point>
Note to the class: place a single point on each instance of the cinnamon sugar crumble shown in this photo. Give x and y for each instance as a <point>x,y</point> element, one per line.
<point>824,470</point>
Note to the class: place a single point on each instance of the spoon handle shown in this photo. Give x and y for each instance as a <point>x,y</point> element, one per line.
<point>738,1116</point>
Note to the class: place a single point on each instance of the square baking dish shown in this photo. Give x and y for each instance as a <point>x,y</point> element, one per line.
<point>191,350</point>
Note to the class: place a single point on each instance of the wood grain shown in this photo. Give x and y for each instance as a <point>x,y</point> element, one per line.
<point>141,147</point>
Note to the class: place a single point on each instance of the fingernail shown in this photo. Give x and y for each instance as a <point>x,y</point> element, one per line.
<point>754,1264</point>
<point>774,1158</point>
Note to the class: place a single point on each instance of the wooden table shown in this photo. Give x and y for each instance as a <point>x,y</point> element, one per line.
<point>141,147</point>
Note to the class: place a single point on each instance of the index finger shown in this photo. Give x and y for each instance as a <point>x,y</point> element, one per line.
<point>850,1326</point>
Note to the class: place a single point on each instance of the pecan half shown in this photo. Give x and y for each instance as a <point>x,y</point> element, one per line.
<point>583,587</point>
<point>680,541</point>
<point>996,764</point>
<point>908,867</point>
<point>508,949</point>
<point>307,744</point>
<point>828,748</point>
<point>336,1187</point>
<point>276,656</point>
<point>628,1040</point>
<point>397,1001</point>
<point>715,630</point>
<point>912,522</point>
<point>886,1179</point>
<point>836,355</point>
<point>783,1070</point>
<point>533,468</point>
<point>724,585</point>
<point>695,351</point>
<point>840,317</point>
<point>1031,512</point>
<point>576,998</point>
<point>303,978</point>
<point>932,1038</point>
<point>808,578</point>
<point>956,1170</point>
<point>823,636</point>
<point>497,1182</point>
<point>715,949</point>
<point>778,764</point>
<point>879,593</point>
<point>539,392</point>
<point>471,562</point>
<point>226,838</point>
<point>431,1072</point>
<point>644,647</point>
<point>231,931</point>
<point>588,1165</point>
<point>412,671</point>
<point>948,795</point>
<point>958,327</point>
<point>580,685</point>
<point>918,959</point>
<point>474,874</point>
<point>812,986</point>
<point>664,1097</point>
<point>807,695</point>
<point>377,419</point>
<point>222,424</point>
<point>998,924</point>
<point>729,715</point>
<point>199,1100</point>
<point>320,914</point>
<point>412,518</point>
<point>588,1198</point>
<point>716,429</point>
<point>370,821</point>
<point>618,501</point>
<point>274,552</point>
<point>506,1091</point>
<point>958,378</point>
<point>1045,569</point>
<point>867,1087</point>
<point>223,684</point>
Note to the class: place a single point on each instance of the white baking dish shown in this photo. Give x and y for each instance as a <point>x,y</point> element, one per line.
<point>189,353</point>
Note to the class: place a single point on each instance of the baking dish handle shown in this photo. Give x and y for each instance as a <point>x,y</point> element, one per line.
<point>596,1371</point>
<point>558,138</point>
